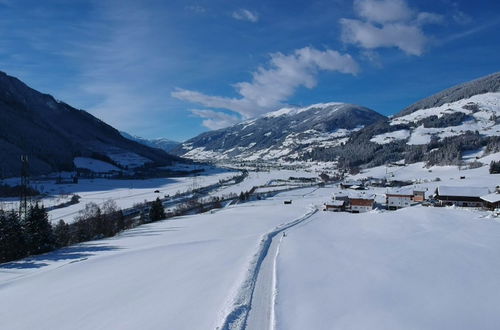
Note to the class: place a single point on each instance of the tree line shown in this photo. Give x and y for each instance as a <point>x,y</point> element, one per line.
<point>32,234</point>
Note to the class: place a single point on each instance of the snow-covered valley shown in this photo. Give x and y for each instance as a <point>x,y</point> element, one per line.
<point>285,266</point>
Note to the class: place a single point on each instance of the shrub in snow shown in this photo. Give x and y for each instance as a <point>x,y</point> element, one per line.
<point>157,211</point>
<point>494,167</point>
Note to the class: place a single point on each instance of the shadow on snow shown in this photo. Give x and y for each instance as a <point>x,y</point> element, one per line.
<point>75,253</point>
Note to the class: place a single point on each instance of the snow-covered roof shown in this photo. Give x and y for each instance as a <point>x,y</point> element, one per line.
<point>407,191</point>
<point>463,191</point>
<point>492,198</point>
<point>352,183</point>
<point>360,195</point>
<point>401,191</point>
<point>336,203</point>
<point>340,195</point>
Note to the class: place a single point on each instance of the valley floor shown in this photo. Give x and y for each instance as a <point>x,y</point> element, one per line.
<point>416,268</point>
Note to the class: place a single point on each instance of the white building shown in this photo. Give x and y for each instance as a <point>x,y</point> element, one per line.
<point>359,203</point>
<point>404,197</point>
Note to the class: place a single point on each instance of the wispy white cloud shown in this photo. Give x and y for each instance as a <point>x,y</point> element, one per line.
<point>383,11</point>
<point>424,18</point>
<point>476,29</point>
<point>458,15</point>
<point>119,68</point>
<point>245,15</point>
<point>388,23</point>
<point>215,119</point>
<point>196,8</point>
<point>408,38</point>
<point>272,85</point>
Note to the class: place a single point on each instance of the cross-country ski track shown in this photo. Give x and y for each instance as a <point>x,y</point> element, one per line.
<point>253,307</point>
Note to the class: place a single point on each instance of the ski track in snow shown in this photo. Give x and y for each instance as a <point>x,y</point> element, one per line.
<point>261,313</point>
<point>238,316</point>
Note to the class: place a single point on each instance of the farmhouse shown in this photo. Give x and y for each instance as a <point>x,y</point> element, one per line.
<point>340,196</point>
<point>403,197</point>
<point>491,201</point>
<point>361,203</point>
<point>335,206</point>
<point>461,196</point>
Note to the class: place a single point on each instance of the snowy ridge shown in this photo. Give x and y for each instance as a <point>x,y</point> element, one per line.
<point>237,315</point>
<point>286,134</point>
<point>296,110</point>
<point>481,113</point>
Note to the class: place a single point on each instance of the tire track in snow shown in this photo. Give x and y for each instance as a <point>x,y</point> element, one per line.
<point>237,317</point>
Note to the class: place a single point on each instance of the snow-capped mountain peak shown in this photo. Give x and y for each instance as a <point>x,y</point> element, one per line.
<point>288,133</point>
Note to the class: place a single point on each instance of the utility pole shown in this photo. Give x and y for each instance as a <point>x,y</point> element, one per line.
<point>23,200</point>
<point>194,185</point>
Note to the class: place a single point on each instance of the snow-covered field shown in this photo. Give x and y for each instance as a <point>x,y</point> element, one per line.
<point>175,274</point>
<point>416,268</point>
<point>435,176</point>
<point>256,179</point>
<point>125,193</point>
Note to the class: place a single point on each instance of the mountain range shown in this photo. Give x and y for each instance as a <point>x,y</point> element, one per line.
<point>436,129</point>
<point>289,133</point>
<point>160,143</point>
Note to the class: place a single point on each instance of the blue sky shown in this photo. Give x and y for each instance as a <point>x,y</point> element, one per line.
<point>177,68</point>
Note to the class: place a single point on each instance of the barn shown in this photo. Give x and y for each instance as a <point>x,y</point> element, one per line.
<point>491,201</point>
<point>335,206</point>
<point>461,196</point>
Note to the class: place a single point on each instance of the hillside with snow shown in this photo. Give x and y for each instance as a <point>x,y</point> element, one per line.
<point>440,129</point>
<point>477,113</point>
<point>57,136</point>
<point>288,133</point>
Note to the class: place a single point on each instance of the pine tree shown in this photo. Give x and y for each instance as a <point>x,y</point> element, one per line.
<point>157,211</point>
<point>12,243</point>
<point>38,231</point>
<point>494,167</point>
<point>62,235</point>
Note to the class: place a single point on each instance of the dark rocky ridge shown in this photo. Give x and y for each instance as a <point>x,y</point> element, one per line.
<point>52,133</point>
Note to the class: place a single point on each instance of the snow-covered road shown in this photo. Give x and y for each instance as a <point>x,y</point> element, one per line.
<point>261,313</point>
<point>238,316</point>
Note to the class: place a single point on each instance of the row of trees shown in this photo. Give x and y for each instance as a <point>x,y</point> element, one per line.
<point>21,237</point>
<point>33,234</point>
